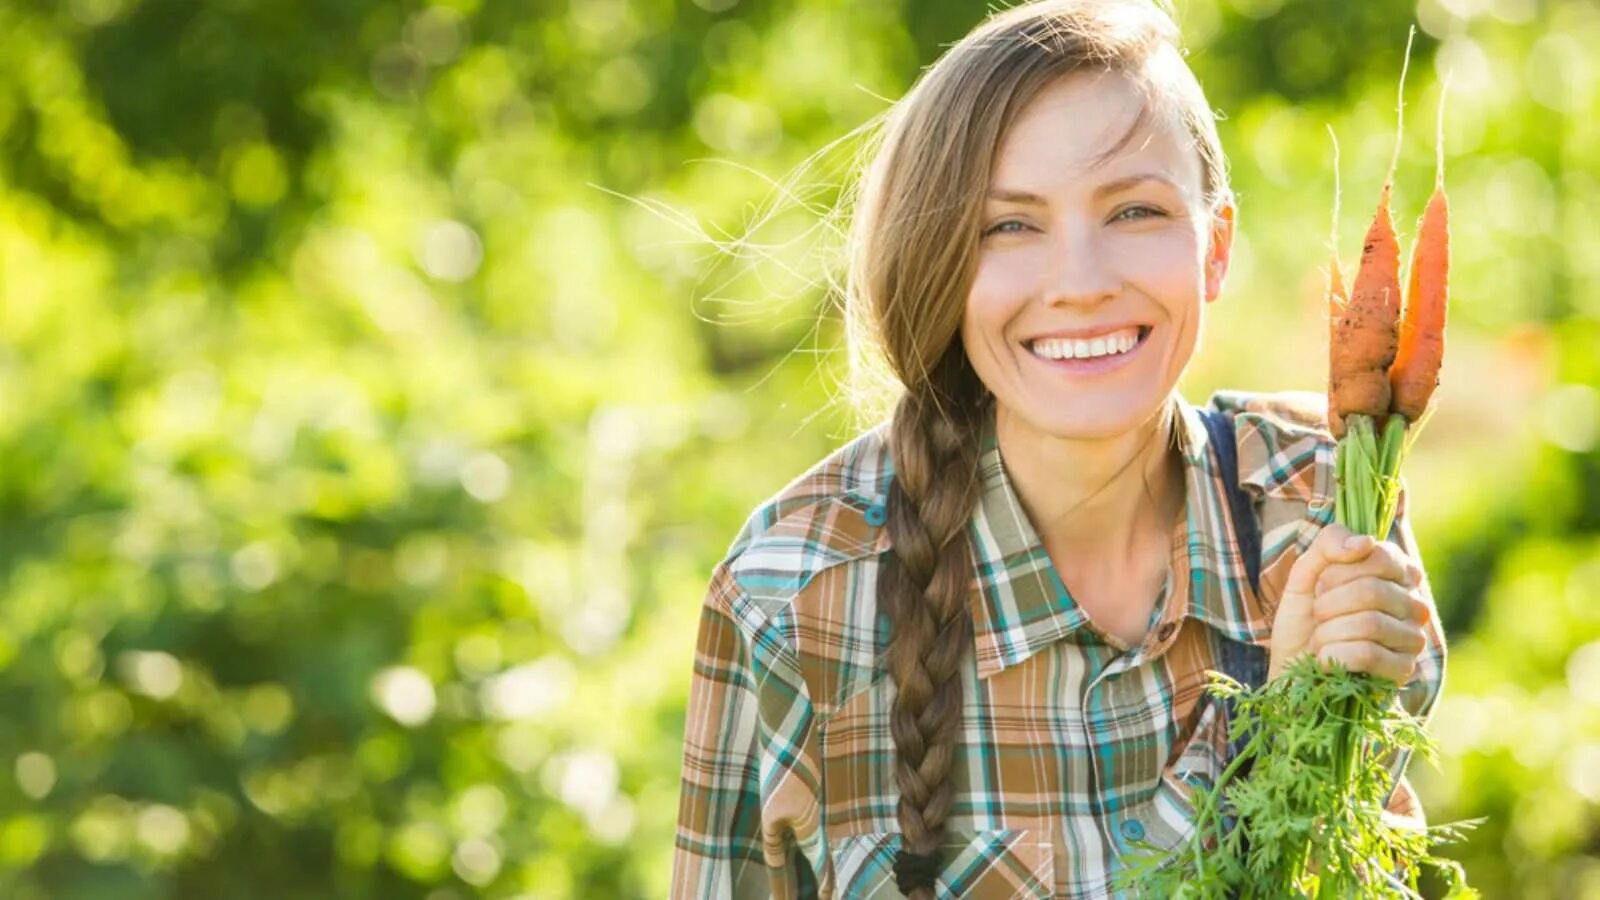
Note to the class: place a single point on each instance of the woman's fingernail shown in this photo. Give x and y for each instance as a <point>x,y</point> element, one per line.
<point>1355,542</point>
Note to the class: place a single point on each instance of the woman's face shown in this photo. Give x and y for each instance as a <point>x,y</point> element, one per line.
<point>1110,247</point>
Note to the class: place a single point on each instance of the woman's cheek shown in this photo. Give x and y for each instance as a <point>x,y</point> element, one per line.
<point>1005,273</point>
<point>1166,263</point>
<point>999,291</point>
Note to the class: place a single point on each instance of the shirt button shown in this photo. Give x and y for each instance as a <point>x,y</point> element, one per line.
<point>1166,631</point>
<point>1132,829</point>
<point>876,514</point>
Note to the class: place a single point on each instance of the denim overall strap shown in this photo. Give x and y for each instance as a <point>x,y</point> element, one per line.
<point>1240,660</point>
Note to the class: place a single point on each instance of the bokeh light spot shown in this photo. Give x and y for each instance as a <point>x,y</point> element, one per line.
<point>405,694</point>
<point>163,829</point>
<point>486,477</point>
<point>36,774</point>
<point>476,861</point>
<point>153,673</point>
<point>449,250</point>
<point>255,565</point>
<point>529,690</point>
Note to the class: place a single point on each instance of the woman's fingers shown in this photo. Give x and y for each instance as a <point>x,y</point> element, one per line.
<point>1365,656</point>
<point>1367,607</point>
<point>1383,560</point>
<point>1371,626</point>
<point>1405,604</point>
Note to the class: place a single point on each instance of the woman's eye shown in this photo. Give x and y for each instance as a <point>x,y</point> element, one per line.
<point>1150,212</point>
<point>996,228</point>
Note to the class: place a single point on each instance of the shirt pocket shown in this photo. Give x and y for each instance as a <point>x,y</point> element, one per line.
<point>981,865</point>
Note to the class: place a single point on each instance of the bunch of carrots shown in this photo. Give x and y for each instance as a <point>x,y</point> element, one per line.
<point>1383,367</point>
<point>1307,821</point>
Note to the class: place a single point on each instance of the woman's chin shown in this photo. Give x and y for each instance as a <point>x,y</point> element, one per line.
<point>1075,418</point>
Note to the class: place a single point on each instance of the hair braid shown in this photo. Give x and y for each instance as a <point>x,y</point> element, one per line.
<point>924,588</point>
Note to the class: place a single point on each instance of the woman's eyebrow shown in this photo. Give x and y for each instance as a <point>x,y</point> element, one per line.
<point>1122,184</point>
<point>1007,195</point>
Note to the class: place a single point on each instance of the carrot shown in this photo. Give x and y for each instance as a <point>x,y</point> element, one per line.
<point>1415,373</point>
<point>1365,337</point>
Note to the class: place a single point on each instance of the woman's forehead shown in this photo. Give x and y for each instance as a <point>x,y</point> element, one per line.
<point>1094,126</point>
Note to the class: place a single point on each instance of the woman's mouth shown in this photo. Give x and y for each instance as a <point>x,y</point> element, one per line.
<point>1091,357</point>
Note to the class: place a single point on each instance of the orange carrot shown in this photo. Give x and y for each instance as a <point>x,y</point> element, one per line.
<point>1415,373</point>
<point>1365,337</point>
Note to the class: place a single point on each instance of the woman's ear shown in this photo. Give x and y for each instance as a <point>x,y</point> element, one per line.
<point>1220,247</point>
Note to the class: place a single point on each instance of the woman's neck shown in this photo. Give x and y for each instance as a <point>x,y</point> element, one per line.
<point>1101,504</point>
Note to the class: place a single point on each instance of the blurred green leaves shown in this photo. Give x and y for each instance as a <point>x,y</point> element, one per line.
<point>381,382</point>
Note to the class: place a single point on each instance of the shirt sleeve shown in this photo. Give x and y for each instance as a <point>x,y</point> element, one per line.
<point>748,781</point>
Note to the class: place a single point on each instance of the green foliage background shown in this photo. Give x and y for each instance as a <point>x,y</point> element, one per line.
<point>381,382</point>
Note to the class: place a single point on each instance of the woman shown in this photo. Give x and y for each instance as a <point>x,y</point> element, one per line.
<point>965,655</point>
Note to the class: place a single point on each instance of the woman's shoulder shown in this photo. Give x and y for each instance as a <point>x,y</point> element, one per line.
<point>830,514</point>
<point>1297,412</point>
<point>1285,447</point>
<point>787,579</point>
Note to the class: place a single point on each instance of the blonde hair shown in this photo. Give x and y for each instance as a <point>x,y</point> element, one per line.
<point>912,252</point>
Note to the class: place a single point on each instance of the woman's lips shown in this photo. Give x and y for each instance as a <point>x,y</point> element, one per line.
<point>1100,364</point>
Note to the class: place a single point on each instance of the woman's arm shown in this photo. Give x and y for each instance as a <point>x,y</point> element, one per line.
<point>748,759</point>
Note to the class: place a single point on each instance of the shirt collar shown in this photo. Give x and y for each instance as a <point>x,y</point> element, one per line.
<point>1019,603</point>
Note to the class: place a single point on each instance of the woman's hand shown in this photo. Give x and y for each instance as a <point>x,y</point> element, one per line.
<point>1362,605</point>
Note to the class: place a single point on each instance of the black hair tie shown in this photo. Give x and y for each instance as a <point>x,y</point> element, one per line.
<point>915,870</point>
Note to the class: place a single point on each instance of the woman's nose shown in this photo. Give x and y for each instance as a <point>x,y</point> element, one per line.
<point>1078,272</point>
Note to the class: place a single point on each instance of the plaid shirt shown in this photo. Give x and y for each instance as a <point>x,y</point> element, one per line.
<point>1072,745</point>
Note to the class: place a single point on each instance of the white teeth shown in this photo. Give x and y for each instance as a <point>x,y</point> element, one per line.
<point>1105,345</point>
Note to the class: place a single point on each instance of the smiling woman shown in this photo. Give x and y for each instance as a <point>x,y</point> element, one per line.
<point>965,655</point>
